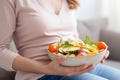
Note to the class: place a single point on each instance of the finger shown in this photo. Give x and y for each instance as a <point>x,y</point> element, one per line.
<point>103,61</point>
<point>81,71</point>
<point>58,60</point>
<point>105,57</point>
<point>107,54</point>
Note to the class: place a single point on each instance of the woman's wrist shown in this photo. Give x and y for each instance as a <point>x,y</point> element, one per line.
<point>44,68</point>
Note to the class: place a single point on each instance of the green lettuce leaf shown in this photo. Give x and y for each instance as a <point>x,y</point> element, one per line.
<point>88,41</point>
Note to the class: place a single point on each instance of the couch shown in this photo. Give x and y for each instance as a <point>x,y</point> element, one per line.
<point>97,30</point>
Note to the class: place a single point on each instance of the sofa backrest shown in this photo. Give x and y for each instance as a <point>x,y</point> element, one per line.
<point>91,28</point>
<point>112,39</point>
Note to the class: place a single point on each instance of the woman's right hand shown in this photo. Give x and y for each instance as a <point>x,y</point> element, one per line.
<point>54,68</point>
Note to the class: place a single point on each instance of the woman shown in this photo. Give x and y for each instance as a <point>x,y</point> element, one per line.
<point>34,24</point>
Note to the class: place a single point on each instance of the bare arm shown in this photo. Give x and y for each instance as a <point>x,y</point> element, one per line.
<point>27,65</point>
<point>52,68</point>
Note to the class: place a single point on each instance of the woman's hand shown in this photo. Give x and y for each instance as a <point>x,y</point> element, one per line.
<point>54,68</point>
<point>105,57</point>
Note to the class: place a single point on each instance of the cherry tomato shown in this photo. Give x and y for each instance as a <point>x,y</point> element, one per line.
<point>101,45</point>
<point>52,48</point>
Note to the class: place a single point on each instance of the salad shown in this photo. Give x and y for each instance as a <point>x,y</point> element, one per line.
<point>77,48</point>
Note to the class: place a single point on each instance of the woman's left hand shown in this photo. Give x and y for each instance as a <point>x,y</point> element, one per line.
<point>105,57</point>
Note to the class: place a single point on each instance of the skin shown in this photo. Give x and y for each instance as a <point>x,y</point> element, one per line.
<point>51,68</point>
<point>54,7</point>
<point>105,57</point>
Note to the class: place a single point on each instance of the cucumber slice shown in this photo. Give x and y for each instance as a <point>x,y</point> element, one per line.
<point>69,50</point>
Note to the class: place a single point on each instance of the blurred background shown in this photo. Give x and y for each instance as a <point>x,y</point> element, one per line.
<point>101,20</point>
<point>94,9</point>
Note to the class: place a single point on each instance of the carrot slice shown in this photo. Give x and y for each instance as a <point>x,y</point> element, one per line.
<point>58,45</point>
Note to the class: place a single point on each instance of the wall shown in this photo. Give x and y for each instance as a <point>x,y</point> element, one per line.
<point>110,9</point>
<point>89,9</point>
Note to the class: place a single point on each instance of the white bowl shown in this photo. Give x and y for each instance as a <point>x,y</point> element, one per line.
<point>77,61</point>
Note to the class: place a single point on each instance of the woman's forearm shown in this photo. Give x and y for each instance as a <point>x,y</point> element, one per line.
<point>27,65</point>
<point>53,68</point>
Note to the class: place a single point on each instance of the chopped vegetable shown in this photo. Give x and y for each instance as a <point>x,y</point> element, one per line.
<point>52,48</point>
<point>101,45</point>
<point>58,46</point>
<point>77,48</point>
<point>88,41</point>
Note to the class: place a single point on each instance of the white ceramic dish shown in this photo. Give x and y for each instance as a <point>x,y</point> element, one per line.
<point>77,61</point>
